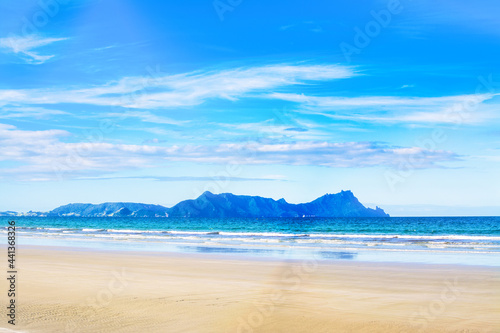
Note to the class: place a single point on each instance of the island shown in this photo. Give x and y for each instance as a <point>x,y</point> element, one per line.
<point>224,205</point>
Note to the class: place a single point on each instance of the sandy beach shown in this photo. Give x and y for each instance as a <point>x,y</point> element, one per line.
<point>76,290</point>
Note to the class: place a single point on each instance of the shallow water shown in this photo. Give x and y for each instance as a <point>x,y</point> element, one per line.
<point>456,240</point>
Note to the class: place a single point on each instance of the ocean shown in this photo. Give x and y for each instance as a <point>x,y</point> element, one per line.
<point>434,240</point>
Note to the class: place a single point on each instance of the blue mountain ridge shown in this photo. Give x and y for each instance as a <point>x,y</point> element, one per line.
<point>228,205</point>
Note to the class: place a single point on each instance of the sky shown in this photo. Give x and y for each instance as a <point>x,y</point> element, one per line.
<point>157,102</point>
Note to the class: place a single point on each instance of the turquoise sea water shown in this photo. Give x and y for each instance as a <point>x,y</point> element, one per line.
<point>454,240</point>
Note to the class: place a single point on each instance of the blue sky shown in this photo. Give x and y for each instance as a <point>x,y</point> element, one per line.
<point>156,102</point>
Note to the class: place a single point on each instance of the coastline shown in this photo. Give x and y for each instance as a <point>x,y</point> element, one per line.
<point>278,251</point>
<point>89,290</point>
<point>462,241</point>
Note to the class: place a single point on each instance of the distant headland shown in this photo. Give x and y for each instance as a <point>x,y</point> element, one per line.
<point>224,205</point>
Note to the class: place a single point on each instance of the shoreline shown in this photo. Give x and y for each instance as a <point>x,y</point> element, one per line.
<point>280,252</point>
<point>84,290</point>
<point>461,241</point>
<point>224,256</point>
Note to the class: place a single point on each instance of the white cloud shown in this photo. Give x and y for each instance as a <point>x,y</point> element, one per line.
<point>29,112</point>
<point>445,109</point>
<point>380,101</point>
<point>24,46</point>
<point>162,91</point>
<point>44,154</point>
<point>146,117</point>
<point>188,89</point>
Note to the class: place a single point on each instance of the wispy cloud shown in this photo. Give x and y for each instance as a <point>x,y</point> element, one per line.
<point>44,154</point>
<point>146,117</point>
<point>185,178</point>
<point>24,46</point>
<point>274,129</point>
<point>29,112</point>
<point>260,82</point>
<point>445,109</point>
<point>180,90</point>
<point>306,25</point>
